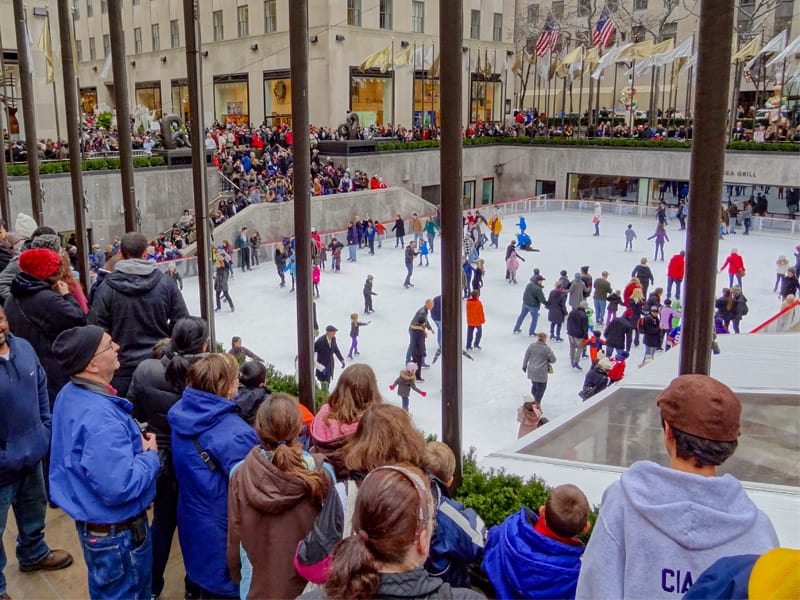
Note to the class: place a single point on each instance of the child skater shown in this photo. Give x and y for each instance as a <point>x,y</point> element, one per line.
<point>407,382</point>
<point>512,264</point>
<point>423,253</point>
<point>355,325</point>
<point>477,275</point>
<point>630,235</point>
<point>315,277</point>
<point>368,294</point>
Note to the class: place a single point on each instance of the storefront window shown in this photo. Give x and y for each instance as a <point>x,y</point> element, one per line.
<point>485,102</point>
<point>606,187</point>
<point>371,96</point>
<point>180,98</point>
<point>88,100</point>
<point>148,94</point>
<point>231,93</point>
<point>427,100</point>
<point>277,98</point>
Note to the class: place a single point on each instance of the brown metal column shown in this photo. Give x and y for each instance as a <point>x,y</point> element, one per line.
<point>301,150</point>
<point>451,25</point>
<point>194,72</point>
<point>705,184</point>
<point>72,108</point>
<point>117,35</point>
<point>5,192</point>
<point>28,110</point>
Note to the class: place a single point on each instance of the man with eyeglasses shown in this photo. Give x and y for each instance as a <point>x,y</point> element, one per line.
<point>103,468</point>
<point>24,439</point>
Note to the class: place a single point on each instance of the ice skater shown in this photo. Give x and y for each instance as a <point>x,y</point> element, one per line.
<point>630,235</point>
<point>423,253</point>
<point>410,253</point>
<point>355,326</point>
<point>660,237</point>
<point>598,210</point>
<point>368,294</point>
<point>407,381</point>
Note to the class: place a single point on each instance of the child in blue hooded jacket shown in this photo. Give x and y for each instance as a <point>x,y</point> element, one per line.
<point>534,555</point>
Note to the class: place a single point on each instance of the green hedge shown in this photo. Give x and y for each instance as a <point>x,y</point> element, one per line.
<point>556,141</point>
<point>280,382</point>
<point>495,495</point>
<point>93,164</point>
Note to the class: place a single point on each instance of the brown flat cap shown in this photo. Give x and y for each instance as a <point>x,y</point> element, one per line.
<point>701,406</point>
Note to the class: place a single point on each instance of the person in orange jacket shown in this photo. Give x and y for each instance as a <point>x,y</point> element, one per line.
<point>475,320</point>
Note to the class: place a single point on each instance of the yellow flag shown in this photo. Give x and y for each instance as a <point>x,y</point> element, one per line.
<point>47,49</point>
<point>640,50</point>
<point>574,56</point>
<point>404,57</point>
<point>591,59</point>
<point>436,66</point>
<point>665,46</point>
<point>380,58</point>
<point>747,51</point>
<point>517,68</point>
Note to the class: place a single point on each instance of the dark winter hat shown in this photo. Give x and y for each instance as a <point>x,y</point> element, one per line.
<point>538,278</point>
<point>40,262</point>
<point>47,240</point>
<point>577,275</point>
<point>654,308</point>
<point>331,328</point>
<point>701,406</point>
<point>75,348</point>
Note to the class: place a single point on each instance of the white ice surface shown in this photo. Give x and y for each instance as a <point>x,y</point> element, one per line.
<point>494,383</point>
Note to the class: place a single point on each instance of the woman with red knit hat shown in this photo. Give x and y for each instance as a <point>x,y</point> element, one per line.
<point>40,307</point>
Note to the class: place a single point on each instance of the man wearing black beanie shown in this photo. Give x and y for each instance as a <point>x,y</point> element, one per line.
<point>103,469</point>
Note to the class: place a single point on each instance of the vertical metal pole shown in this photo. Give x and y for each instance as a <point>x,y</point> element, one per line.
<point>705,184</point>
<point>194,72</point>
<point>28,110</point>
<point>301,149</point>
<point>117,34</point>
<point>450,161</point>
<point>72,109</point>
<point>5,192</point>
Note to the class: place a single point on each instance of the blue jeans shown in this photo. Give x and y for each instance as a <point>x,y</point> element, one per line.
<point>431,237</point>
<point>352,252</point>
<point>117,568</point>
<point>29,501</point>
<point>438,333</point>
<point>409,272</point>
<point>534,311</point>
<point>738,279</point>
<point>600,310</point>
<point>677,283</point>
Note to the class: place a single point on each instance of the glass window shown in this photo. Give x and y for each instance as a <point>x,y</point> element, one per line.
<point>79,51</point>
<point>89,8</point>
<point>485,103</point>
<point>76,10</point>
<point>92,49</point>
<point>371,96</point>
<point>475,24</point>
<point>180,98</point>
<point>533,13</point>
<point>638,33</point>
<point>386,14</point>
<point>174,34</point>
<point>497,27</point>
<point>418,16</point>
<point>219,28</point>
<point>669,31</point>
<point>278,98</point>
<point>103,6</point>
<point>243,21</point>
<point>354,12</point>
<point>231,99</point>
<point>270,16</point>
<point>558,9</point>
<point>156,35</point>
<point>137,2</point>
<point>487,193</point>
<point>88,99</point>
<point>106,45</point>
<point>148,94</point>
<point>137,40</point>
<point>427,100</point>
<point>639,4</point>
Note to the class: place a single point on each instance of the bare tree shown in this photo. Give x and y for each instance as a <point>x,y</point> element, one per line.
<point>524,37</point>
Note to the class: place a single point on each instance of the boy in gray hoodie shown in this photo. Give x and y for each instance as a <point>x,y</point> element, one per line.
<point>660,527</point>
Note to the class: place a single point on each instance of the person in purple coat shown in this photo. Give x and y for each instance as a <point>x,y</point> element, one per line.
<point>660,236</point>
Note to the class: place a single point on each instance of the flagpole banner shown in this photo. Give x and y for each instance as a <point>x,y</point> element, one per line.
<point>604,29</point>
<point>747,51</point>
<point>776,44</point>
<point>28,49</point>
<point>46,48</point>
<point>549,36</point>
<point>788,51</point>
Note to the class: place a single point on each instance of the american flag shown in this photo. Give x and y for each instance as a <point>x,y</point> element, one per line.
<point>604,30</point>
<point>548,38</point>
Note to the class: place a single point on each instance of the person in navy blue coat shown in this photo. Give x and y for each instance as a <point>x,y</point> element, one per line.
<point>208,439</point>
<point>532,555</point>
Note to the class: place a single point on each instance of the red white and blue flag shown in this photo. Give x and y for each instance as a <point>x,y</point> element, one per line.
<point>604,30</point>
<point>548,38</point>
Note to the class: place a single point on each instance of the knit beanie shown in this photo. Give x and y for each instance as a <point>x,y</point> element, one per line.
<point>411,366</point>
<point>40,262</point>
<point>75,348</point>
<point>47,240</point>
<point>24,225</point>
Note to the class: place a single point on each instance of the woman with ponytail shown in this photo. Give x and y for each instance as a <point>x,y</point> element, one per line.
<point>157,384</point>
<point>274,496</point>
<point>384,556</point>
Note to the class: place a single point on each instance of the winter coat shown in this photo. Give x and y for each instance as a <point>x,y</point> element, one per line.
<point>726,307</point>
<point>734,262</point>
<point>596,380</point>
<point>577,292</point>
<point>533,295</point>
<point>557,303</point>
<point>602,288</point>
<point>410,254</point>
<point>328,437</point>
<point>619,333</point>
<point>212,423</point>
<point>643,274</point>
<point>399,227</point>
<point>152,396</point>
<point>416,343</point>
<point>521,562</point>
<point>790,286</point>
<point>368,288</point>
<point>651,329</point>
<point>326,352</point>
<point>269,512</point>
<point>25,425</point>
<point>587,281</point>
<point>660,236</point>
<point>37,313</point>
<point>249,400</point>
<point>475,315</point>
<point>578,324</point>
<point>221,277</point>
<point>137,305</point>
<point>647,532</point>
<point>537,360</point>
<point>406,382</point>
<point>416,584</point>
<point>676,267</point>
<point>613,302</point>
<point>740,308</point>
<point>477,279</point>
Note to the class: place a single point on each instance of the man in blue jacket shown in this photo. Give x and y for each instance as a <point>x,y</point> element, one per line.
<point>24,439</point>
<point>102,468</point>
